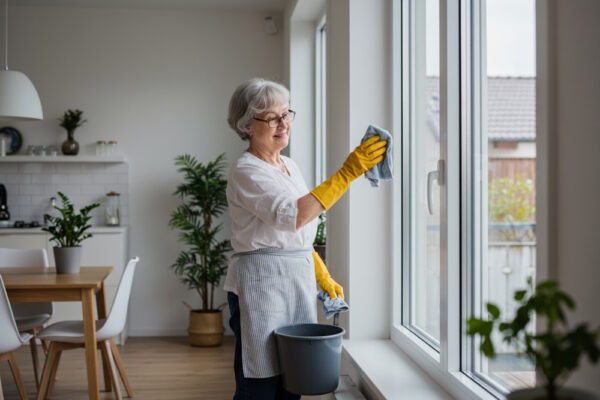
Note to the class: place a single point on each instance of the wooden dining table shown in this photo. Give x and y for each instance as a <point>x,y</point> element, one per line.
<point>38,284</point>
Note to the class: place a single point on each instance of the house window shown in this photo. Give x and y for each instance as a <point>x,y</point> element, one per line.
<point>466,109</point>
<point>499,178</point>
<point>421,139</point>
<point>320,102</point>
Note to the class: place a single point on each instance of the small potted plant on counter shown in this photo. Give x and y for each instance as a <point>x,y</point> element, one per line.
<point>320,243</point>
<point>68,230</point>
<point>71,120</point>
<point>204,262</point>
<point>555,352</point>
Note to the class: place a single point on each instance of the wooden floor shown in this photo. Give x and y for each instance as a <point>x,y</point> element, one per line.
<point>158,368</point>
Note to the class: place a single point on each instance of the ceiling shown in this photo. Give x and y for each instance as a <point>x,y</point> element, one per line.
<point>258,5</point>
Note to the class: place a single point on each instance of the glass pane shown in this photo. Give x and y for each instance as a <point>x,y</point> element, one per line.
<point>504,202</point>
<point>424,145</point>
<point>321,94</point>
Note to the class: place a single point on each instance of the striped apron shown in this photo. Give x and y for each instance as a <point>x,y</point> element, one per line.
<point>276,288</point>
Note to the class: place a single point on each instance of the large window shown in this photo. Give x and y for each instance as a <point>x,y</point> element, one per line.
<point>466,107</point>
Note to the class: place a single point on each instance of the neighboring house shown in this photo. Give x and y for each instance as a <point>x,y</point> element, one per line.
<point>510,124</point>
<point>511,127</point>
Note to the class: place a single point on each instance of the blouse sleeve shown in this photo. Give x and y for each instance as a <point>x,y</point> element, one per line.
<point>260,194</point>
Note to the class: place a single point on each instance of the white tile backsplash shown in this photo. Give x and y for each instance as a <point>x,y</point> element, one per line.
<point>41,178</point>
<point>30,189</point>
<point>105,178</point>
<point>26,168</point>
<point>68,168</point>
<point>79,179</point>
<point>68,190</point>
<point>31,185</point>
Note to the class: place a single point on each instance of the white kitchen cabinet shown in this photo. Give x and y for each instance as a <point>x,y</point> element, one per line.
<point>23,241</point>
<point>107,247</point>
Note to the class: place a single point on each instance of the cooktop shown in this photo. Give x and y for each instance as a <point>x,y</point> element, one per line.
<point>19,224</point>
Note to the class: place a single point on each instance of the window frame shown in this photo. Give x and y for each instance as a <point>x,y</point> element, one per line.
<point>409,43</point>
<point>320,100</point>
<point>447,366</point>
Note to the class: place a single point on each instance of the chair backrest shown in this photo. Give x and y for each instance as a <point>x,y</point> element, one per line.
<point>9,334</point>
<point>23,258</point>
<point>115,323</point>
<point>19,258</point>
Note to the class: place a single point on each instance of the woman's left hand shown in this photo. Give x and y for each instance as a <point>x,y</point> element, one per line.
<point>324,280</point>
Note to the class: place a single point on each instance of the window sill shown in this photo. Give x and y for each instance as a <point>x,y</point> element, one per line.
<point>389,373</point>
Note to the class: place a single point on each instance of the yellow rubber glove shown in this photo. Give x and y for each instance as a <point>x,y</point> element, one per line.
<point>362,159</point>
<point>324,280</point>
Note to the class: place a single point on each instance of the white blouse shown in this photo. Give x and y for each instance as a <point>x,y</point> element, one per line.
<point>263,202</point>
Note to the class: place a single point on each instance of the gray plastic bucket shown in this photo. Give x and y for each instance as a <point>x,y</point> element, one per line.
<point>309,357</point>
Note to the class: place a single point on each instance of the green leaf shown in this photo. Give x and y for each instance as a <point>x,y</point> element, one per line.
<point>69,228</point>
<point>493,310</point>
<point>487,348</point>
<point>520,295</point>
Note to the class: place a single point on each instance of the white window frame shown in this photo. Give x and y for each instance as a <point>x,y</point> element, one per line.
<point>444,366</point>
<point>320,102</point>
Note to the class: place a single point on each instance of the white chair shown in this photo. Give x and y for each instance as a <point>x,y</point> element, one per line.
<point>30,317</point>
<point>10,340</point>
<point>66,335</point>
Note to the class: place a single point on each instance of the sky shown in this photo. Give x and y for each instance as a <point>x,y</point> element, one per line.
<point>510,30</point>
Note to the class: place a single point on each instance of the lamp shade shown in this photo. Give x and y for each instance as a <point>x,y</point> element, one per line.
<point>18,98</point>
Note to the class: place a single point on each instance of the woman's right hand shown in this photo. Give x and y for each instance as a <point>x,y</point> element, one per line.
<point>364,157</point>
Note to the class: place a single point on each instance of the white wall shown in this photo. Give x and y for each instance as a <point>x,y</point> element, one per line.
<point>359,94</point>
<point>158,81</point>
<point>300,24</point>
<point>302,97</point>
<point>569,97</point>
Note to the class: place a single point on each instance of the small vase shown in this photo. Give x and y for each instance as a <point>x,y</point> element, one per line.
<point>67,259</point>
<point>70,147</point>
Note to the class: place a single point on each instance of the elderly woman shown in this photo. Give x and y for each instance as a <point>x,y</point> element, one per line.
<point>271,277</point>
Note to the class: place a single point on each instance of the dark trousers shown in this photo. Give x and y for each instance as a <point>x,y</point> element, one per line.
<point>251,388</point>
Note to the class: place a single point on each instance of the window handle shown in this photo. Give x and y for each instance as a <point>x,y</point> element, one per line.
<point>437,175</point>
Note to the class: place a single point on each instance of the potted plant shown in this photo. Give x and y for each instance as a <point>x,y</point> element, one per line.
<point>321,238</point>
<point>202,264</point>
<point>68,230</point>
<point>71,120</point>
<point>555,352</point>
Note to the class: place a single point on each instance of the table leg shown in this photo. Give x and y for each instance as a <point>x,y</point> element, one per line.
<point>101,307</point>
<point>89,329</point>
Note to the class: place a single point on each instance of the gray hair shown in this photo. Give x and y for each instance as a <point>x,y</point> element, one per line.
<point>251,98</point>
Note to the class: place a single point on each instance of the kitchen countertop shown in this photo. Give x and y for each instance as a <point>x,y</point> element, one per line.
<point>93,229</point>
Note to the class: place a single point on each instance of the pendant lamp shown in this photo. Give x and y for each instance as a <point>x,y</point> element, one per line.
<point>18,98</point>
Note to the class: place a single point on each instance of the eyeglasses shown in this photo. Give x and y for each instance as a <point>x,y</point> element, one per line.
<point>275,122</point>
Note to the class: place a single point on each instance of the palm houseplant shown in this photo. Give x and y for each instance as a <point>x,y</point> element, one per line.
<point>203,262</point>
<point>71,120</point>
<point>68,230</point>
<point>320,243</point>
<point>556,352</point>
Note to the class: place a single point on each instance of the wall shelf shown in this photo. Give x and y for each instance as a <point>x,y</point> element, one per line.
<point>63,159</point>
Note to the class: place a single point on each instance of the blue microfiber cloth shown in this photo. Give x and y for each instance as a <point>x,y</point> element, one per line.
<point>332,307</point>
<point>385,169</point>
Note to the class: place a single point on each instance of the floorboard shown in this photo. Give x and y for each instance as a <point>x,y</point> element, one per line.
<point>158,368</point>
